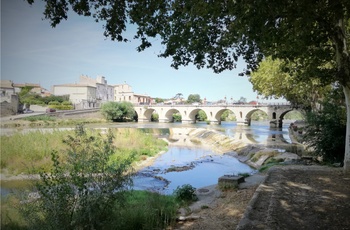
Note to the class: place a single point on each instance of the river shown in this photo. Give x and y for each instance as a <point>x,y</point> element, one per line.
<point>204,166</point>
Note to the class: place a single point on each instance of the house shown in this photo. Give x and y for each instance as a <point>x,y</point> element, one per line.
<point>6,90</point>
<point>123,92</point>
<point>88,93</point>
<point>82,96</point>
<point>104,92</point>
<point>8,98</point>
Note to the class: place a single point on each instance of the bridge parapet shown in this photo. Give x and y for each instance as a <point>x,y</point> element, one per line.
<point>275,112</point>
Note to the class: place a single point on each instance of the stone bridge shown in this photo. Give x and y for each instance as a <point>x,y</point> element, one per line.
<point>188,113</point>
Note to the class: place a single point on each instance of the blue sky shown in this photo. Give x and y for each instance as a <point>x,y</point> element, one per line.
<point>33,52</point>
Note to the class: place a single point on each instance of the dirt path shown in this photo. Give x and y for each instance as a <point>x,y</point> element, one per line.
<point>291,197</point>
<point>217,209</point>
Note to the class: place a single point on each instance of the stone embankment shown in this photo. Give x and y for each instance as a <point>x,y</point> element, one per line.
<point>255,155</point>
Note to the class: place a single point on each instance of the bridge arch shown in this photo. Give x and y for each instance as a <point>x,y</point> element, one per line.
<point>248,117</point>
<point>188,113</point>
<point>168,117</point>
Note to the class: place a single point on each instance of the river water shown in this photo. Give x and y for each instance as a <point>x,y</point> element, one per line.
<point>204,167</point>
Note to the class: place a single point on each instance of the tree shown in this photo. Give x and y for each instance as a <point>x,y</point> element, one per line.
<point>118,111</point>
<point>214,34</point>
<point>192,98</point>
<point>83,191</point>
<point>271,81</point>
<point>242,100</point>
<point>326,128</point>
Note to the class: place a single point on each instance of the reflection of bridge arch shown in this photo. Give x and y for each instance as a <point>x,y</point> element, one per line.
<point>188,113</point>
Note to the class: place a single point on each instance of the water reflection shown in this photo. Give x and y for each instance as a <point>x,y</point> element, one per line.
<point>258,132</point>
<point>207,168</point>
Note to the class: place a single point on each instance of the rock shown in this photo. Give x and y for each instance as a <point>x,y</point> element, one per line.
<point>230,181</point>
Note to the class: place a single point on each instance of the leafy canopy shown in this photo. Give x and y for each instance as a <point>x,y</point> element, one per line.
<point>272,80</point>
<point>118,110</point>
<point>214,34</point>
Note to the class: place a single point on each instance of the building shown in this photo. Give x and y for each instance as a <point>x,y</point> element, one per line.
<point>123,92</point>
<point>88,93</point>
<point>104,92</point>
<point>82,96</point>
<point>9,102</point>
<point>6,90</point>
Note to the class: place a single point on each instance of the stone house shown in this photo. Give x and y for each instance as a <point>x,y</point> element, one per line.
<point>82,96</point>
<point>123,92</point>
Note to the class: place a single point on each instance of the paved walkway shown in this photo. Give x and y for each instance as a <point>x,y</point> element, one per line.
<point>300,197</point>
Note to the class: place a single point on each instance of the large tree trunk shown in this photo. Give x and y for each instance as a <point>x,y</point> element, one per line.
<point>346,90</point>
<point>343,76</point>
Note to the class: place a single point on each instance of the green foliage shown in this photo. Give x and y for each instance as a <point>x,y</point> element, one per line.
<point>40,118</point>
<point>294,115</point>
<point>28,152</point>
<point>147,210</point>
<point>118,111</point>
<point>186,193</point>
<point>59,99</point>
<point>325,131</point>
<point>193,98</point>
<point>155,117</point>
<point>201,116</point>
<point>273,79</point>
<point>228,115</point>
<point>177,117</point>
<point>54,103</point>
<point>30,98</point>
<point>158,100</point>
<point>66,103</point>
<point>259,116</point>
<point>82,191</point>
<point>22,152</point>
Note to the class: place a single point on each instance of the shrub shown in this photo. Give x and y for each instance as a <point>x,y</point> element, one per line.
<point>54,103</point>
<point>147,210</point>
<point>81,192</point>
<point>177,117</point>
<point>118,111</point>
<point>155,117</point>
<point>326,129</point>
<point>186,193</point>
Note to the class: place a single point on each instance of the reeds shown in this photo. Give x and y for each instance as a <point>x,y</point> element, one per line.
<point>31,152</point>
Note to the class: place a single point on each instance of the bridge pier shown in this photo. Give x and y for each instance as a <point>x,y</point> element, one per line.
<point>142,120</point>
<point>276,123</point>
<point>244,122</point>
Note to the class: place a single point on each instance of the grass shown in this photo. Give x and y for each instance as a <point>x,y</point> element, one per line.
<point>49,121</point>
<point>24,152</point>
<point>143,210</point>
<point>40,118</point>
<point>31,152</point>
<point>148,210</point>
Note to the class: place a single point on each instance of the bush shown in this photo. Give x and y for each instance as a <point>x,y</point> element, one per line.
<point>118,111</point>
<point>177,117</point>
<point>81,192</point>
<point>155,117</point>
<point>326,129</point>
<point>186,193</point>
<point>147,210</point>
<point>54,103</point>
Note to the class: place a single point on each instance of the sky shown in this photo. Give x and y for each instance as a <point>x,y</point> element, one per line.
<point>34,52</point>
